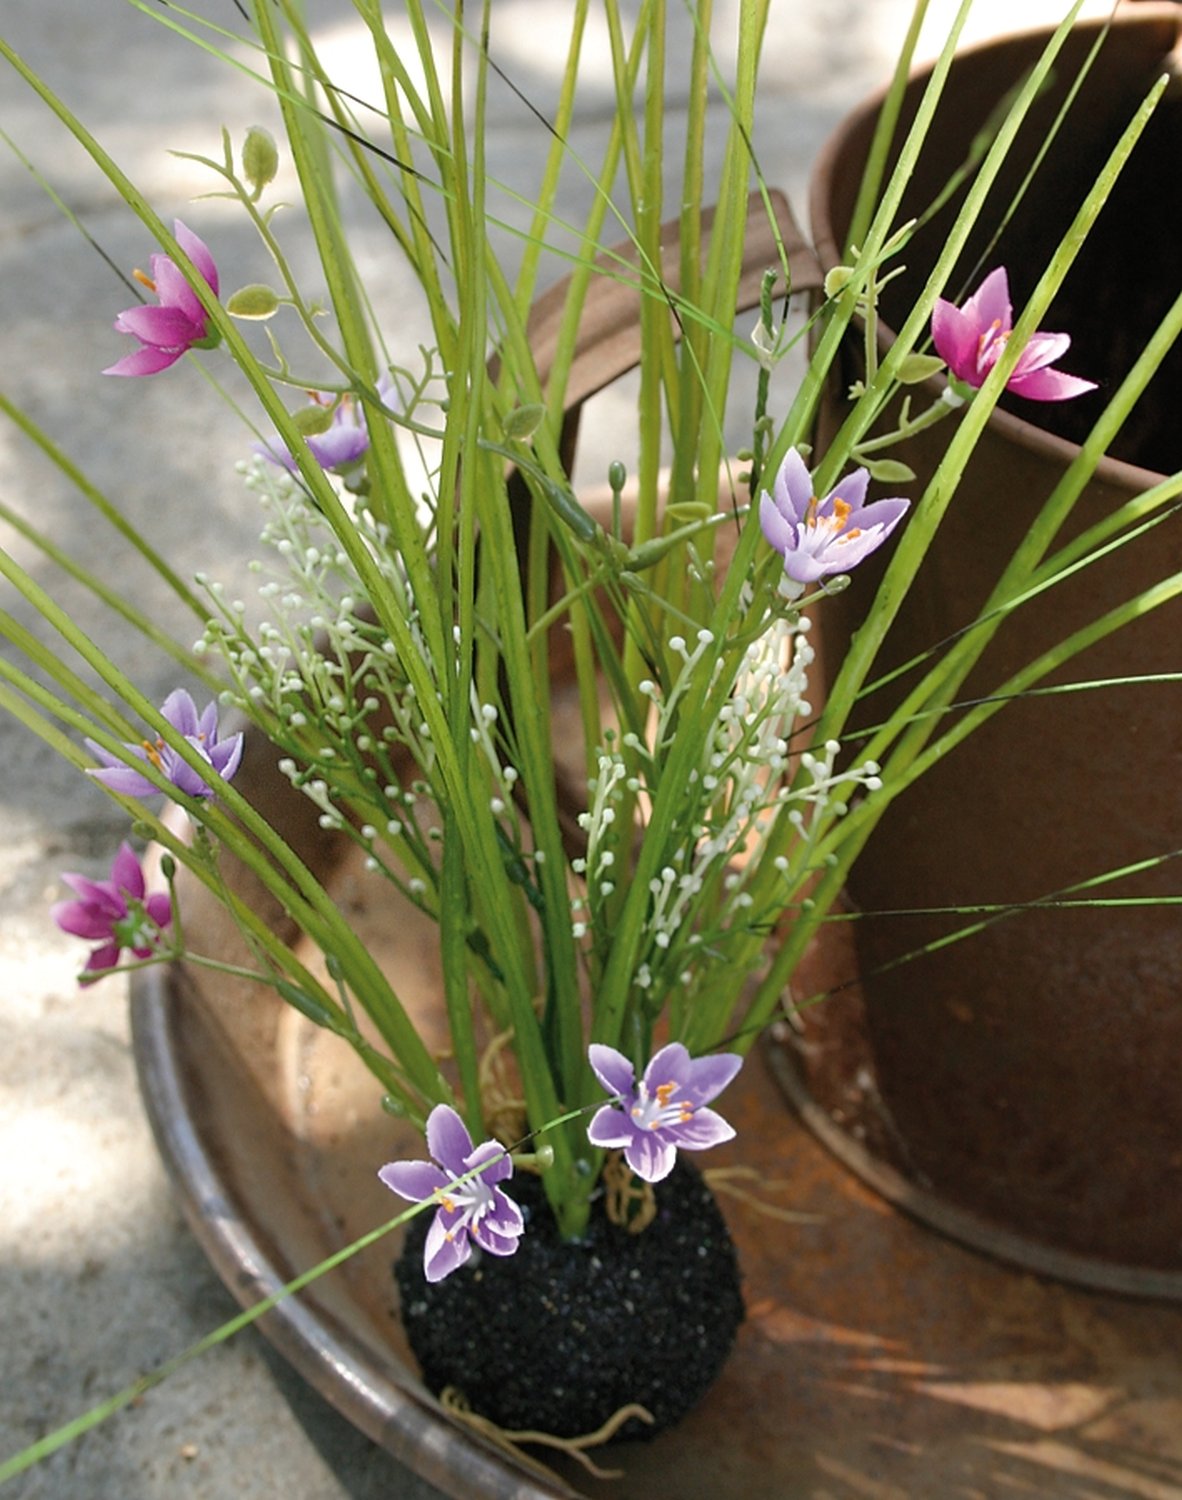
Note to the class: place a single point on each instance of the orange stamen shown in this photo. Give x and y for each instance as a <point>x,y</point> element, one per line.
<point>144,280</point>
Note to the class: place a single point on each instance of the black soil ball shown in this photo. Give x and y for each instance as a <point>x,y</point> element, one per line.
<point>562,1334</point>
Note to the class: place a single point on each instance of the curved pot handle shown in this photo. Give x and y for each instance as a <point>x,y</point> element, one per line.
<point>608,343</point>
<point>608,346</point>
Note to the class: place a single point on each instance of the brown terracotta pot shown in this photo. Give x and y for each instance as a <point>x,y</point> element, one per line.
<point>1021,1087</point>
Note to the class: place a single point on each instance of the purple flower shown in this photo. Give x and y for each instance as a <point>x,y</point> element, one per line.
<point>819,537</point>
<point>665,1110</point>
<point>179,322</point>
<point>223,755</point>
<point>473,1210</point>
<point>115,913</point>
<point>339,445</point>
<point>971,339</point>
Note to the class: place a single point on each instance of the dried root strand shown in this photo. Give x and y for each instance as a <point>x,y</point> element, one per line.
<point>722,1180</point>
<point>504,1110</point>
<point>456,1404</point>
<point>628,1201</point>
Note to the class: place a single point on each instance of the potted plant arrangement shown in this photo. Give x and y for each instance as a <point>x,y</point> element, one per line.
<point>515,799</point>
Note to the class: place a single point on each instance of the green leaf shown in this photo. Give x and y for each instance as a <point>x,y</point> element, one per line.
<point>888,470</point>
<point>917,368</point>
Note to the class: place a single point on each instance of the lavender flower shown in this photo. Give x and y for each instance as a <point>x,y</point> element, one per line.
<point>179,323</point>
<point>971,339</point>
<point>651,1119</point>
<point>115,913</point>
<point>223,755</point>
<point>819,537</point>
<point>340,445</point>
<point>475,1210</point>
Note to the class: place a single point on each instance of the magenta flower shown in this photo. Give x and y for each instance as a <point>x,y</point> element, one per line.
<point>179,323</point>
<point>472,1211</point>
<point>340,445</point>
<point>971,339</point>
<point>223,755</point>
<point>651,1119</point>
<point>115,913</point>
<point>819,537</point>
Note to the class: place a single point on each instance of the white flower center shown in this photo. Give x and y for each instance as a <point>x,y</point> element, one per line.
<point>661,1108</point>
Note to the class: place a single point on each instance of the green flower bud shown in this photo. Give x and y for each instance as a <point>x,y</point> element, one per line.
<point>312,420</point>
<point>256,302</point>
<point>837,280</point>
<point>260,158</point>
<point>523,421</point>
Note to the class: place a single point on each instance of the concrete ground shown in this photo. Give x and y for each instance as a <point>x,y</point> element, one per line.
<point>99,1279</point>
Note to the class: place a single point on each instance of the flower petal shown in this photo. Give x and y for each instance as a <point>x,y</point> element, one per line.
<point>448,1140</point>
<point>105,957</point>
<point>413,1180</point>
<point>445,1250</point>
<point>125,780</point>
<point>146,361</point>
<point>1049,385</point>
<point>159,907</point>
<point>851,491</point>
<point>127,874</point>
<point>990,303</point>
<point>610,1128</point>
<point>181,712</point>
<point>226,755</point>
<point>198,252</point>
<point>162,327</point>
<point>709,1075</point>
<point>612,1068</point>
<point>341,444</point>
<point>793,489</point>
<point>650,1157</point>
<point>956,339</point>
<point>671,1064</point>
<point>494,1161</point>
<point>83,919</point>
<point>778,529</point>
<point>703,1129</point>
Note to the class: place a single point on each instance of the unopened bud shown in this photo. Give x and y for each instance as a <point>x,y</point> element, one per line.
<point>256,302</point>
<point>312,420</point>
<point>523,421</point>
<point>260,158</point>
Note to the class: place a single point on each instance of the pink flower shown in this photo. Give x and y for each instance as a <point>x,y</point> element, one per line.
<point>971,339</point>
<point>179,323</point>
<point>115,913</point>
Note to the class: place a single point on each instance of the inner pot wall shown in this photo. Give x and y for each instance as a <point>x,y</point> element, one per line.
<point>1027,1075</point>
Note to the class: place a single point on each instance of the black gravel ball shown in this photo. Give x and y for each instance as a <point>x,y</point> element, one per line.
<point>560,1335</point>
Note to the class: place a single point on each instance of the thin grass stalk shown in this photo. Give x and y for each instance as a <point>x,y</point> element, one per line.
<point>870,184</point>
<point>928,513</point>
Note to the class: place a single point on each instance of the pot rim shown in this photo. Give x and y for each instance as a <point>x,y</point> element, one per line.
<point>403,1419</point>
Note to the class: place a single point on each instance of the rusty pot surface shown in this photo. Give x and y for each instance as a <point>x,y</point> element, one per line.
<point>1023,1083</point>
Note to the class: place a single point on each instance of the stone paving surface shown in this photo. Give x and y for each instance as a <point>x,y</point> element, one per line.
<point>99,1279</point>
